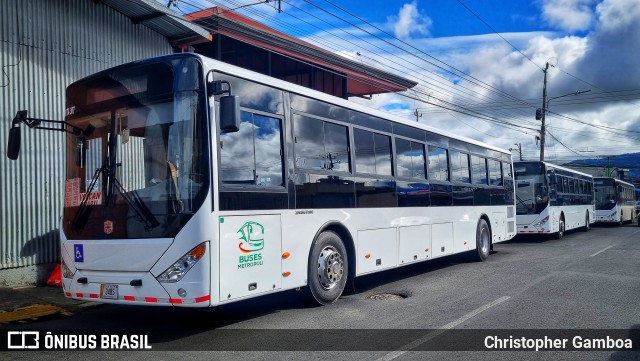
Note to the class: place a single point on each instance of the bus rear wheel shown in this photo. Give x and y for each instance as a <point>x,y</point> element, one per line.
<point>483,240</point>
<point>328,268</point>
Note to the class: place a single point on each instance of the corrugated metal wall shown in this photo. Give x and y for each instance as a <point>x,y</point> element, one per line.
<point>46,45</point>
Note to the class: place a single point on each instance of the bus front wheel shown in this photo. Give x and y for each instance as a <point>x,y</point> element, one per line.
<point>560,233</point>
<point>328,267</point>
<point>483,240</point>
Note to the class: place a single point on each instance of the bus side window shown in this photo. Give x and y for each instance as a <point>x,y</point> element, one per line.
<point>253,156</point>
<point>438,164</point>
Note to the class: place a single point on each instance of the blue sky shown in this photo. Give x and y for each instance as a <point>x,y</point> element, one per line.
<point>475,82</point>
<point>450,18</point>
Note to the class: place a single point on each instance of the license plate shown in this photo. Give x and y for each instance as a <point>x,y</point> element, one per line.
<point>108,291</point>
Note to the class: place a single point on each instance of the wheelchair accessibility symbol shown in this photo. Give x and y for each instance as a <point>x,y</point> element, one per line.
<point>78,253</point>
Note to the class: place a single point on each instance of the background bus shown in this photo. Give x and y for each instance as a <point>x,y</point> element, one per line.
<point>552,199</point>
<point>615,200</point>
<point>179,194</point>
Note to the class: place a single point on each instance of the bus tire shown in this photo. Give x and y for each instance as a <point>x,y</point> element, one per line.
<point>561,228</point>
<point>586,224</point>
<point>328,268</point>
<point>483,240</point>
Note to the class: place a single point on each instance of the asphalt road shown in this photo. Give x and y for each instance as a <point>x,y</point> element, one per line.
<point>587,280</point>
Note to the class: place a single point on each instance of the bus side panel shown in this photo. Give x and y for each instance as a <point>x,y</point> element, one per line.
<point>442,236</point>
<point>377,250</point>
<point>250,255</point>
<point>498,226</point>
<point>414,244</point>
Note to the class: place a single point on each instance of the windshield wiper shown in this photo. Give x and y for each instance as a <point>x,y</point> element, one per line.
<point>110,184</point>
<point>82,215</point>
<point>135,202</point>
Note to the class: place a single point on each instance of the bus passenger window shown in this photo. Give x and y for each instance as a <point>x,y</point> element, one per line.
<point>252,155</point>
<point>373,152</point>
<point>321,145</point>
<point>438,164</point>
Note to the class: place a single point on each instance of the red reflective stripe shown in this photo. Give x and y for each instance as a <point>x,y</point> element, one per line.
<point>540,231</point>
<point>129,298</point>
<point>79,295</point>
<point>175,300</point>
<point>203,298</point>
<point>94,295</point>
<point>150,299</point>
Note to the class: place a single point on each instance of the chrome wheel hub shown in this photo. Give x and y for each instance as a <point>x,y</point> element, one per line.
<point>484,240</point>
<point>330,267</point>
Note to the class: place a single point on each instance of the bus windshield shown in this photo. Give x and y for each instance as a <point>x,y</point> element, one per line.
<point>606,195</point>
<point>139,170</point>
<point>531,188</point>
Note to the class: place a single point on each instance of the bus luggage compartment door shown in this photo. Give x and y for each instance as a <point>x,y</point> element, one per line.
<point>441,239</point>
<point>250,255</point>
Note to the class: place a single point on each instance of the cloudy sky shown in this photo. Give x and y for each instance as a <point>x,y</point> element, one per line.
<point>479,64</point>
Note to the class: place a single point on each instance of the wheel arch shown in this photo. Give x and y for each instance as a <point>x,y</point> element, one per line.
<point>346,237</point>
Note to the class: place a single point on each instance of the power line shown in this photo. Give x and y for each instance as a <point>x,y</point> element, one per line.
<point>497,33</point>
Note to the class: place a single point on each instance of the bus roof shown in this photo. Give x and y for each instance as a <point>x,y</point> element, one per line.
<point>212,64</point>
<point>615,180</point>
<point>298,89</point>
<point>547,164</point>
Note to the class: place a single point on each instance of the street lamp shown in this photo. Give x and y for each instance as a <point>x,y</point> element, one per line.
<point>519,149</point>
<point>541,113</point>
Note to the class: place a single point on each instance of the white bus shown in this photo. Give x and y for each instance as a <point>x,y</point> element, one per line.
<point>615,200</point>
<point>178,193</point>
<point>551,199</point>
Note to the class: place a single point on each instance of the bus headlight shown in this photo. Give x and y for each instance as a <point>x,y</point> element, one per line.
<point>66,272</point>
<point>542,222</point>
<point>183,265</point>
<point>613,214</point>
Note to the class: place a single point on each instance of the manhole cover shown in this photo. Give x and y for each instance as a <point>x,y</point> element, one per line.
<point>387,296</point>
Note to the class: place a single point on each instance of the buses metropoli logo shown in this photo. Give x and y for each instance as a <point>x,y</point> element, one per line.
<point>252,236</point>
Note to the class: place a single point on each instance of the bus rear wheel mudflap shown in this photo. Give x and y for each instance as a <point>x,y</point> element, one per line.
<point>328,268</point>
<point>483,240</point>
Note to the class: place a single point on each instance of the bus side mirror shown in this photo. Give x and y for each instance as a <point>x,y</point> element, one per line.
<point>13,148</point>
<point>229,114</point>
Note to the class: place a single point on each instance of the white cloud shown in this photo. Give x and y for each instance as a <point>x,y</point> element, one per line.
<point>603,59</point>
<point>410,21</point>
<point>569,15</point>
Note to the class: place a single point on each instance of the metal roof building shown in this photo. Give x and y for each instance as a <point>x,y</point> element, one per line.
<point>46,45</point>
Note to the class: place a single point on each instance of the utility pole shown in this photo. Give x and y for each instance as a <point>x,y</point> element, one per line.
<point>544,111</point>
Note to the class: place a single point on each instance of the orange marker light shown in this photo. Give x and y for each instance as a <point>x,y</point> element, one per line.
<point>198,252</point>
<point>367,256</point>
<point>286,255</point>
<point>286,274</point>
